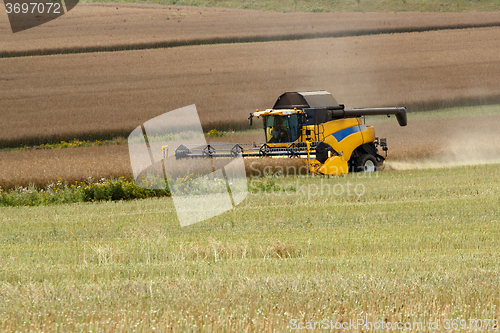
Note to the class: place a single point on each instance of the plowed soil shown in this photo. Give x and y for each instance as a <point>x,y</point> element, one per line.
<point>127,26</point>
<point>41,167</point>
<point>70,96</point>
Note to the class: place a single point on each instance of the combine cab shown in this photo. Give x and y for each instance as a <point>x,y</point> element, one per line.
<point>313,125</point>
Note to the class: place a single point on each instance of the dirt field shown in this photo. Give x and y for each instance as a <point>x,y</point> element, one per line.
<point>99,94</point>
<point>41,167</point>
<point>129,26</point>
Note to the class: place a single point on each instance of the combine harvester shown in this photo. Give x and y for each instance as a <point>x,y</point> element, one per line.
<point>311,125</point>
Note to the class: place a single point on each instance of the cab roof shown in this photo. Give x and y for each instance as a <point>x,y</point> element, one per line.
<point>306,100</point>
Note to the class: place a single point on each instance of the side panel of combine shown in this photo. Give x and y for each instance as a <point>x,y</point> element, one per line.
<point>369,134</point>
<point>344,136</point>
<point>333,166</point>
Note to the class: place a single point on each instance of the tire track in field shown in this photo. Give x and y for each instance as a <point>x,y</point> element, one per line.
<point>237,40</point>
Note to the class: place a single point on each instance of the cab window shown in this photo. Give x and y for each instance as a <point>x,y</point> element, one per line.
<point>277,129</point>
<point>282,129</point>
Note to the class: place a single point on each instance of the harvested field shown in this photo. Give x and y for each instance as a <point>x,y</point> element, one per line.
<point>41,167</point>
<point>417,246</point>
<point>109,94</point>
<point>134,26</point>
<point>424,143</point>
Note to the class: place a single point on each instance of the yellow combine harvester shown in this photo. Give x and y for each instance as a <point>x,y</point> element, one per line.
<point>312,124</point>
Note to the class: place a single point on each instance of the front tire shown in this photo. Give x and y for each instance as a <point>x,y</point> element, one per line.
<point>367,163</point>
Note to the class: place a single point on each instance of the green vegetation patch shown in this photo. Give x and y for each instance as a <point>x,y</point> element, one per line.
<point>69,144</point>
<point>147,186</point>
<point>214,133</point>
<point>62,193</point>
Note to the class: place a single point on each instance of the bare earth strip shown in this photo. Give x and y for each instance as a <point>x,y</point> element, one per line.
<point>80,95</point>
<point>41,167</point>
<point>93,27</point>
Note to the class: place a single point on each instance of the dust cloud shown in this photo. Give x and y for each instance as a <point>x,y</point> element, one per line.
<point>440,143</point>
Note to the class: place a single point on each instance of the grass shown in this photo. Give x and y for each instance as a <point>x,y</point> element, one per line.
<point>75,143</point>
<point>62,192</point>
<point>414,246</point>
<point>147,186</point>
<point>334,6</point>
<point>69,144</point>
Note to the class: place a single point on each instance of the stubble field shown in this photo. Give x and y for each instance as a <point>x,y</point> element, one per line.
<point>401,247</point>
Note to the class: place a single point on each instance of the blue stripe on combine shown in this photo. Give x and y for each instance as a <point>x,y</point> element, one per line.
<point>342,134</point>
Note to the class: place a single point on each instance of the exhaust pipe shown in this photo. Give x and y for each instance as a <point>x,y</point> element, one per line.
<point>399,112</point>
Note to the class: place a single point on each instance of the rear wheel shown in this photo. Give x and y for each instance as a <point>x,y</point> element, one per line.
<point>367,163</point>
